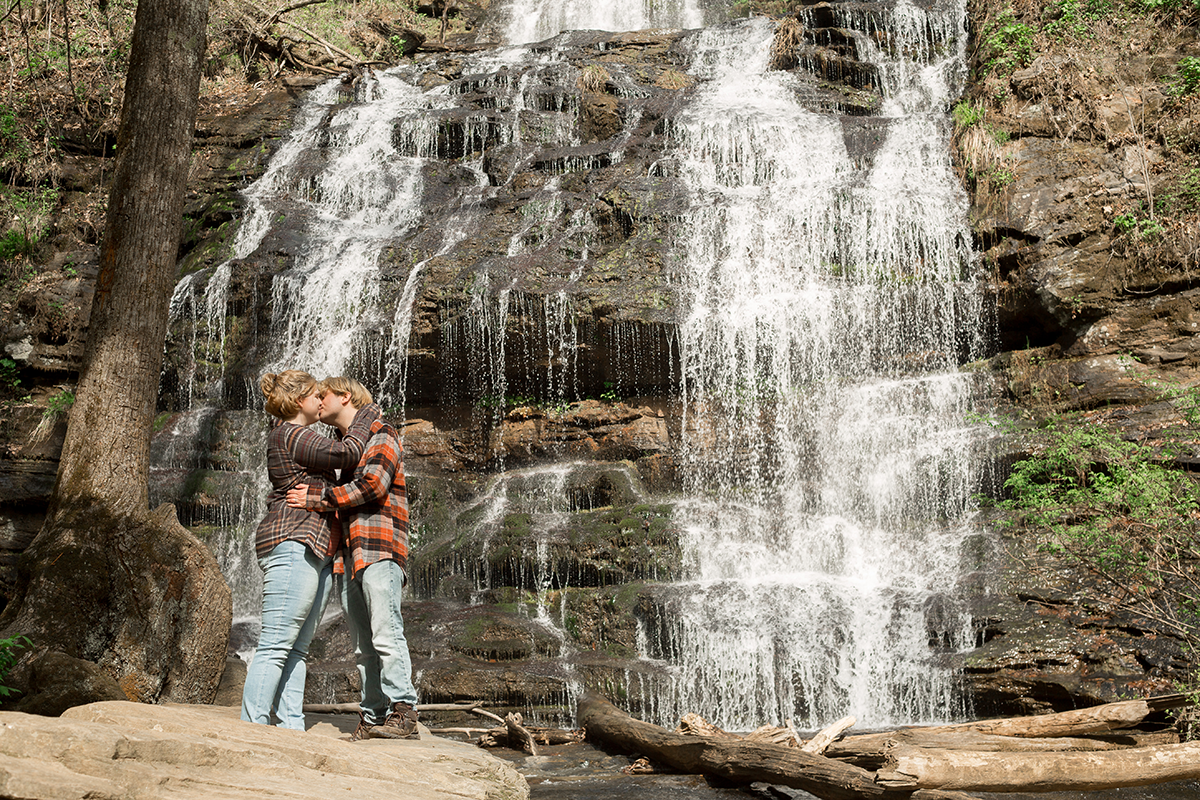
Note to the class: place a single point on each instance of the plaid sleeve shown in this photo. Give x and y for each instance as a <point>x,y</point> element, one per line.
<point>316,452</point>
<point>373,479</point>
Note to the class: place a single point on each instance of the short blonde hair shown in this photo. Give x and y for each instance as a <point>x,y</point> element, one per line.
<point>359,396</point>
<point>285,390</point>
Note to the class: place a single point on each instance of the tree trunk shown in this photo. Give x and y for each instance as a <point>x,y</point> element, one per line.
<point>105,579</point>
<point>913,768</point>
<point>738,759</point>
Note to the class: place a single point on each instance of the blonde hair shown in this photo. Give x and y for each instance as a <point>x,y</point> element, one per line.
<point>285,390</point>
<point>359,396</point>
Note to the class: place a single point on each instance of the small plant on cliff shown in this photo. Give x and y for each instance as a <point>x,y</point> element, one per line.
<point>1187,80</point>
<point>8,659</point>
<point>1116,509</point>
<point>10,376</point>
<point>1008,44</point>
<point>594,78</point>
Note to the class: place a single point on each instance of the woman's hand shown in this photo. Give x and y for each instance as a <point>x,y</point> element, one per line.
<point>297,496</point>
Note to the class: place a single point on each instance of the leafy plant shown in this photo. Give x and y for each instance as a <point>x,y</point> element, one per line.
<point>59,404</point>
<point>1118,510</point>
<point>1187,79</point>
<point>8,659</point>
<point>1138,228</point>
<point>1009,44</point>
<point>9,374</point>
<point>967,115</point>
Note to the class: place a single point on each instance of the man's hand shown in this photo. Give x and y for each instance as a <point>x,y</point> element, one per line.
<point>297,496</point>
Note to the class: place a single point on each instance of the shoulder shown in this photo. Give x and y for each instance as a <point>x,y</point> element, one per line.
<point>381,427</point>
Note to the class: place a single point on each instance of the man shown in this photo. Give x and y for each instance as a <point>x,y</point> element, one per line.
<point>369,569</point>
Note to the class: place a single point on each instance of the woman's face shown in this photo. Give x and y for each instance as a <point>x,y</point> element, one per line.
<point>310,408</point>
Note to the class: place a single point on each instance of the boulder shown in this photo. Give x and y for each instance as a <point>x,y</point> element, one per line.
<point>56,682</point>
<point>122,749</point>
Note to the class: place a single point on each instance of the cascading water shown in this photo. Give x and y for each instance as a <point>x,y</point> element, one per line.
<point>824,295</point>
<point>827,305</point>
<point>523,21</point>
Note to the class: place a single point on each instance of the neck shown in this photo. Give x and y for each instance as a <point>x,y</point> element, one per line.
<point>346,418</point>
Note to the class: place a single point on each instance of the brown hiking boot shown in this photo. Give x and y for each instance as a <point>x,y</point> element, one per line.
<point>363,731</point>
<point>400,724</point>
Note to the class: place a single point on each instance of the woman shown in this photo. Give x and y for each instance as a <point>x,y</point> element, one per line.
<point>294,547</point>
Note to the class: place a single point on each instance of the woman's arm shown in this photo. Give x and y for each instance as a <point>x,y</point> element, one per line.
<point>313,451</point>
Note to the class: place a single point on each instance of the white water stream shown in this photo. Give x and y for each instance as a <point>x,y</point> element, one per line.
<point>827,451</point>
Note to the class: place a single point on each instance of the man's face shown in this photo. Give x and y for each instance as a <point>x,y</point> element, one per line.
<point>332,404</point>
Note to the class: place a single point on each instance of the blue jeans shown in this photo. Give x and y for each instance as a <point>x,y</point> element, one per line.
<point>372,605</point>
<point>296,585</point>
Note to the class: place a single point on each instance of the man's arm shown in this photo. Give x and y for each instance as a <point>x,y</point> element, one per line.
<point>371,482</point>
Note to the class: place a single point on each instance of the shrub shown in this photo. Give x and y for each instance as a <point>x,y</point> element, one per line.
<point>1008,43</point>
<point>1187,79</point>
<point>1118,510</point>
<point>8,659</point>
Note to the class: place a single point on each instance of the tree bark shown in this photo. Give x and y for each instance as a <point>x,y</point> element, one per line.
<point>738,759</point>
<point>913,768</point>
<point>1096,719</point>
<point>106,580</point>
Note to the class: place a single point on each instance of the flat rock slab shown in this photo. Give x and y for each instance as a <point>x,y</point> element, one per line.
<point>126,750</point>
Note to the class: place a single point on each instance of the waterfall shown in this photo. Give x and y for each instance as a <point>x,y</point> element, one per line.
<point>807,300</point>
<point>534,20</point>
<point>826,306</point>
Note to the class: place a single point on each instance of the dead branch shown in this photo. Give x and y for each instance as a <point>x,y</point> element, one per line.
<point>820,743</point>
<point>519,733</point>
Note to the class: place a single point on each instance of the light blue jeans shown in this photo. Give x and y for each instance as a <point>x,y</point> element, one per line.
<point>296,586</point>
<point>372,605</point>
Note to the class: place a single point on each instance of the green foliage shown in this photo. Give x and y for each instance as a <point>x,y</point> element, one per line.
<point>1187,80</point>
<point>1075,17</point>
<point>17,243</point>
<point>1180,196</point>
<point>59,404</point>
<point>1087,476</point>
<point>1117,509</point>
<point>1137,227</point>
<point>8,659</point>
<point>9,374</point>
<point>967,115</point>
<point>13,144</point>
<point>1008,44</point>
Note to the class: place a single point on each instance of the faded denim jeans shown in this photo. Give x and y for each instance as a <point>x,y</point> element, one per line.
<point>372,605</point>
<point>296,586</point>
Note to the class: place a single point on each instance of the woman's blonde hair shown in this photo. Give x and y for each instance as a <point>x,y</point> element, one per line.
<point>285,390</point>
<point>359,396</point>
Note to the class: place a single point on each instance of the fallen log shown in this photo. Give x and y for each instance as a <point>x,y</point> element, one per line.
<point>1096,719</point>
<point>519,733</point>
<point>920,768</point>
<point>739,760</point>
<point>870,750</point>
<point>352,708</point>
<point>498,737</point>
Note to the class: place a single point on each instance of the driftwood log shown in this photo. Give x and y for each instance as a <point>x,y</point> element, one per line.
<point>738,759</point>
<point>911,767</point>
<point>1072,751</point>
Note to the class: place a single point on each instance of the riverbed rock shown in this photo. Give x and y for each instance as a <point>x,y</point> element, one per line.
<point>122,749</point>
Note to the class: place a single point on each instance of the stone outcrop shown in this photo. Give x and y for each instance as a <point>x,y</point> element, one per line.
<point>120,749</point>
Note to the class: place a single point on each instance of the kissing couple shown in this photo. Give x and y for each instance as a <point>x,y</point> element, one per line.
<point>337,513</point>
